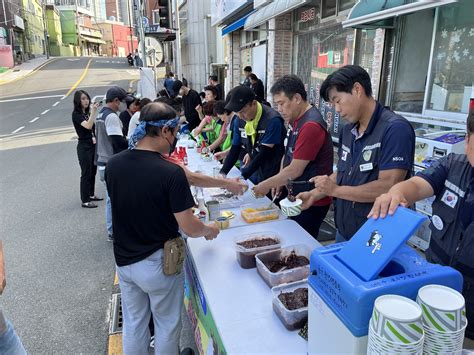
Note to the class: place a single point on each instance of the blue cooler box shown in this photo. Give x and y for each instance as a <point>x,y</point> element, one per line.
<point>341,302</point>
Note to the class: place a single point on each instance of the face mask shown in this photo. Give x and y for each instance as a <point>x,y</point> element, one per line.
<point>122,106</point>
<point>172,145</point>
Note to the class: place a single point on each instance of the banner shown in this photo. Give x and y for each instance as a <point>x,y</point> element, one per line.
<point>206,335</point>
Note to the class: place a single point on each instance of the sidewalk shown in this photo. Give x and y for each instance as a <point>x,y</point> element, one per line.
<point>24,69</point>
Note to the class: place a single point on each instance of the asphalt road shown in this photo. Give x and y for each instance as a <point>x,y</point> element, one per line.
<point>59,265</point>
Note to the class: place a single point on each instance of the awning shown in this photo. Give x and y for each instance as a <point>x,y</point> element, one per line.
<point>274,9</point>
<point>370,13</point>
<point>92,39</point>
<point>237,25</point>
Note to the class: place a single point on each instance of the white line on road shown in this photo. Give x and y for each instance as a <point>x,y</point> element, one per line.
<point>34,119</point>
<point>18,130</point>
<point>56,103</point>
<point>45,111</point>
<point>32,98</point>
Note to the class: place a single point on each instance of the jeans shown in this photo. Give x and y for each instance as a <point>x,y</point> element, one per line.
<point>10,343</point>
<point>311,219</point>
<point>147,291</point>
<point>85,154</point>
<point>340,238</point>
<point>108,205</point>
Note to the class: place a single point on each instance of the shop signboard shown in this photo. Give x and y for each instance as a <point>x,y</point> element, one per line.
<point>206,335</point>
<point>18,22</point>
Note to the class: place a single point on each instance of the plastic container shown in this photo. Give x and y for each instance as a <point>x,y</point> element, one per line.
<point>285,276</point>
<point>259,212</point>
<point>292,319</point>
<point>246,256</point>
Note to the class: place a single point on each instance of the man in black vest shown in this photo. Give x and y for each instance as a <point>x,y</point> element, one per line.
<point>376,150</point>
<point>308,150</point>
<point>451,180</point>
<point>261,133</point>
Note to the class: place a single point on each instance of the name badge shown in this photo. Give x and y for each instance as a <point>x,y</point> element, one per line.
<point>366,167</point>
<point>344,155</point>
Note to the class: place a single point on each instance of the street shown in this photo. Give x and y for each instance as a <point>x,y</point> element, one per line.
<point>59,264</point>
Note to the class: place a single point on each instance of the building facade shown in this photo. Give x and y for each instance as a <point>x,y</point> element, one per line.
<point>34,28</point>
<point>119,41</point>
<point>12,33</point>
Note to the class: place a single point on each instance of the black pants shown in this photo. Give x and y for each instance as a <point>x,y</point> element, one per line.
<point>311,219</point>
<point>86,153</point>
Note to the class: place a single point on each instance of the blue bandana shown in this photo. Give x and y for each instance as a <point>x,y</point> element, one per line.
<point>140,131</point>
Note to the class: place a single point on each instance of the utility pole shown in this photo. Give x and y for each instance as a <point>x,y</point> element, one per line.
<point>45,26</point>
<point>142,31</point>
<point>130,25</point>
<point>178,41</point>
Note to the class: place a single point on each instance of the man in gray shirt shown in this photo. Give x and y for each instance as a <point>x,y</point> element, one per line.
<point>110,140</point>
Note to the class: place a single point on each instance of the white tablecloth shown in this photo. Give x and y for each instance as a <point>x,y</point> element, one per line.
<point>240,301</point>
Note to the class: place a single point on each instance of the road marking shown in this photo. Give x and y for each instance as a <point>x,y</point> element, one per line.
<point>73,59</point>
<point>56,103</point>
<point>31,98</point>
<point>78,81</point>
<point>45,111</point>
<point>34,119</point>
<point>18,130</point>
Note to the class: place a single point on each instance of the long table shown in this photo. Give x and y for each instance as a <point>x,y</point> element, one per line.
<point>230,307</point>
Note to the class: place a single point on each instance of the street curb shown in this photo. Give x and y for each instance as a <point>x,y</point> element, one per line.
<point>114,341</point>
<point>30,73</point>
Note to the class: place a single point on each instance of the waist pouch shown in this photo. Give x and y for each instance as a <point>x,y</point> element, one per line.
<point>174,252</point>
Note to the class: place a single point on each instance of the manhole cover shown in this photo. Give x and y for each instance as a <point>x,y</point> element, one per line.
<point>116,324</point>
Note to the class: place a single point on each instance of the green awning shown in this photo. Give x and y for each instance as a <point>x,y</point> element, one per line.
<point>379,13</point>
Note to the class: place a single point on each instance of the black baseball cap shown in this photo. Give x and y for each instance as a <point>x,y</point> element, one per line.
<point>239,97</point>
<point>176,86</point>
<point>115,92</point>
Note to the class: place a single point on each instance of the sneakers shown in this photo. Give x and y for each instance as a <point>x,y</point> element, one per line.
<point>110,238</point>
<point>89,205</point>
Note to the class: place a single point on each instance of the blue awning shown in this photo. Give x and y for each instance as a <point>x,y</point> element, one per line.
<point>370,13</point>
<point>237,25</point>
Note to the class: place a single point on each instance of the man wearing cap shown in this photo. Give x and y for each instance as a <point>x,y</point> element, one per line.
<point>151,202</point>
<point>191,100</point>
<point>261,133</point>
<point>110,140</point>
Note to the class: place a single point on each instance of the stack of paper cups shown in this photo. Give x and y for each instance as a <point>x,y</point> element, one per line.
<point>395,326</point>
<point>444,319</point>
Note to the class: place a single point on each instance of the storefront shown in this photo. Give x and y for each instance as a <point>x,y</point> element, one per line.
<point>429,58</point>
<point>321,45</point>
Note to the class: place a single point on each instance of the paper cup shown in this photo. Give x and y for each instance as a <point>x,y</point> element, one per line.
<point>378,345</point>
<point>222,222</point>
<point>443,308</point>
<point>291,209</point>
<point>397,319</point>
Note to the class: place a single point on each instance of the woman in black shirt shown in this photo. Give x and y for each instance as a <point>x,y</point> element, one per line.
<point>83,118</point>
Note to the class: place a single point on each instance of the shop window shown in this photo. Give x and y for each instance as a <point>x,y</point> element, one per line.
<point>156,17</point>
<point>329,8</point>
<point>345,5</point>
<point>317,55</point>
<point>452,68</point>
